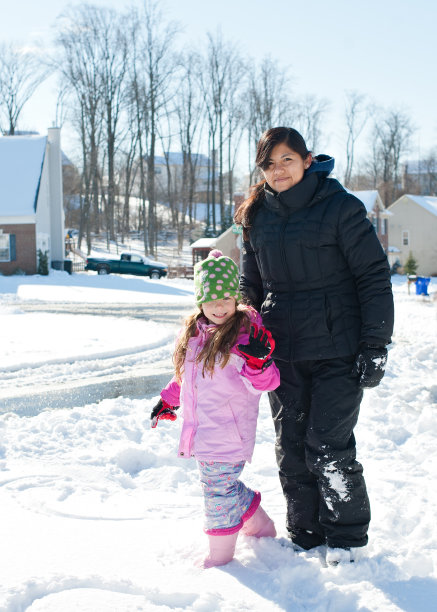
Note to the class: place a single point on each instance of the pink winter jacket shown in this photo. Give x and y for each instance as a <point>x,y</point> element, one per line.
<point>219,412</point>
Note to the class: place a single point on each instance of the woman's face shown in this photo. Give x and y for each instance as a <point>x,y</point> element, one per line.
<point>219,311</point>
<point>285,167</point>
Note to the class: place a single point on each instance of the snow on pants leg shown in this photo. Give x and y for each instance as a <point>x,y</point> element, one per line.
<point>226,498</point>
<point>315,410</point>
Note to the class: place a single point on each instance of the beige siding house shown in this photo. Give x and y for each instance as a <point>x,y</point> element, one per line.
<point>413,228</point>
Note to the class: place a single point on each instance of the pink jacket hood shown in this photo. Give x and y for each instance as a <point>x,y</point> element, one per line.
<point>219,412</point>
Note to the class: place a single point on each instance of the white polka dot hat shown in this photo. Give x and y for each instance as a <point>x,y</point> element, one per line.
<point>215,278</point>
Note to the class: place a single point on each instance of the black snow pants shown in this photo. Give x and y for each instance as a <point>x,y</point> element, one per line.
<point>315,410</point>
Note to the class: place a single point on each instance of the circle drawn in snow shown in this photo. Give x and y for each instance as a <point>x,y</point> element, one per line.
<point>93,593</point>
<point>65,497</point>
<point>62,496</point>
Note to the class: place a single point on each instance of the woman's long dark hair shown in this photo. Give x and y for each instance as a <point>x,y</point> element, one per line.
<point>272,137</point>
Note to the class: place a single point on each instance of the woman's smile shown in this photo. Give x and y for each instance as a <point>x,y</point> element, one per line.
<point>285,168</point>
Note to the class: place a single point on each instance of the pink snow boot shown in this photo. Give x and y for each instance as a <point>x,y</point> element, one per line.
<point>221,550</point>
<point>259,525</point>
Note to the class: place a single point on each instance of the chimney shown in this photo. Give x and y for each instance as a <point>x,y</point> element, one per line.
<point>56,195</point>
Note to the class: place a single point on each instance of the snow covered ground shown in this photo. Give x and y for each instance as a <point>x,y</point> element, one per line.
<point>98,514</point>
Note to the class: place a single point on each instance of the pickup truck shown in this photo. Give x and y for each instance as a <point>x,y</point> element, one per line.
<point>129,263</point>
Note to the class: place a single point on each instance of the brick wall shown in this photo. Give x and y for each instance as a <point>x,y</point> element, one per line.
<point>25,249</point>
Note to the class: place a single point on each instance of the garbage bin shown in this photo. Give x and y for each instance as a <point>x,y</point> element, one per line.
<point>422,285</point>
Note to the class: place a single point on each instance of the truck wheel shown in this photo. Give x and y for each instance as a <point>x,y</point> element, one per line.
<point>103,270</point>
<point>154,274</point>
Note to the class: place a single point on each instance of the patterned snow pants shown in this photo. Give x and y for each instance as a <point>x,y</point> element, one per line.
<point>226,498</point>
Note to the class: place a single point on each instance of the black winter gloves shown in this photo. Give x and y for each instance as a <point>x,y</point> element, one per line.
<point>369,365</point>
<point>163,412</point>
<point>257,352</point>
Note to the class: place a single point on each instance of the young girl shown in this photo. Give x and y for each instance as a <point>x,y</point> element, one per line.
<point>222,365</point>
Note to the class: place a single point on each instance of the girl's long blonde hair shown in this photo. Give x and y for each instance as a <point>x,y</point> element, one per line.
<point>221,339</point>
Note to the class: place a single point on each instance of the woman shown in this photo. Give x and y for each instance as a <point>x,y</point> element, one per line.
<point>314,268</point>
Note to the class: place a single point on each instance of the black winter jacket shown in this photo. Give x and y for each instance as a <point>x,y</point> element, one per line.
<point>315,269</point>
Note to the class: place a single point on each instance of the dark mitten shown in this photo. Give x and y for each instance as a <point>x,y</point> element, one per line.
<point>369,365</point>
<point>257,352</point>
<point>163,412</point>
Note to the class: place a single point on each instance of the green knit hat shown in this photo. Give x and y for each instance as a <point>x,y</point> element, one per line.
<point>215,278</point>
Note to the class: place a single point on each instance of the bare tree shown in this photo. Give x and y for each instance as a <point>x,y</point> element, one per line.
<point>220,78</point>
<point>137,93</point>
<point>21,72</point>
<point>79,71</point>
<point>112,66</point>
<point>357,115</point>
<point>428,184</point>
<point>189,109</point>
<point>235,126</point>
<point>392,132</point>
<point>308,115</point>
<point>268,101</point>
<point>156,62</point>
<point>129,167</point>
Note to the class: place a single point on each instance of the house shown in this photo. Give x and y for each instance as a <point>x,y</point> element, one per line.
<point>420,176</point>
<point>173,163</point>
<point>413,228</point>
<point>376,213</point>
<point>31,202</point>
<point>229,243</point>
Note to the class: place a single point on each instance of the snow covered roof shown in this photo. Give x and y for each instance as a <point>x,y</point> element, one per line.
<point>429,203</point>
<point>368,198</point>
<point>21,161</point>
<point>203,243</point>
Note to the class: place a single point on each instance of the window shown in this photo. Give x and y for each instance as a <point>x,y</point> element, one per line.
<point>7,246</point>
<point>200,254</point>
<point>375,223</point>
<point>383,227</point>
<point>405,237</point>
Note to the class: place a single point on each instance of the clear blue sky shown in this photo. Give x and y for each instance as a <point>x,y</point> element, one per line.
<point>382,48</point>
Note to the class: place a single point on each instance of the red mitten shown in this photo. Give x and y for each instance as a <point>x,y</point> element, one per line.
<point>163,412</point>
<point>257,352</point>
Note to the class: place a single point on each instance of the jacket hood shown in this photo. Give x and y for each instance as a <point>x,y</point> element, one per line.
<point>322,164</point>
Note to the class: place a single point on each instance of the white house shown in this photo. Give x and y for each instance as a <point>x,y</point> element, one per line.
<point>31,202</point>
<point>174,161</point>
<point>413,228</point>
<point>229,243</point>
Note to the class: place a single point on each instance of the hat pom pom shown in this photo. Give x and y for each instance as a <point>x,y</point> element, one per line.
<point>215,253</point>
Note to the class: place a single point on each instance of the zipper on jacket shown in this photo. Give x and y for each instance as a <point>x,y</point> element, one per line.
<point>194,408</point>
<point>284,259</point>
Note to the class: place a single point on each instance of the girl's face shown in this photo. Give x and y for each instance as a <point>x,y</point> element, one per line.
<point>285,167</point>
<point>219,311</point>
